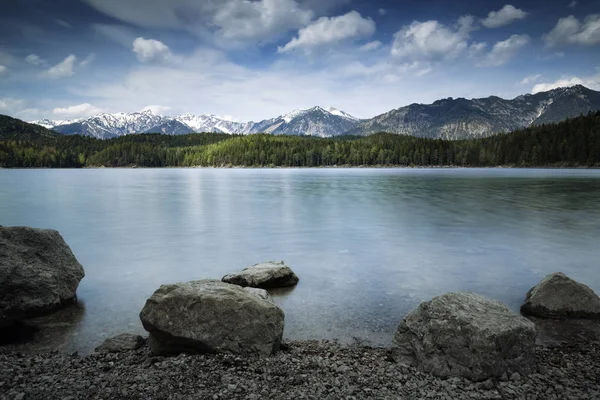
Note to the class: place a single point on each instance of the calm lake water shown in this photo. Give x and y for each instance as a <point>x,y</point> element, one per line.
<point>368,244</point>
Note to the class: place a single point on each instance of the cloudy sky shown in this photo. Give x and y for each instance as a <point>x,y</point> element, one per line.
<point>255,59</point>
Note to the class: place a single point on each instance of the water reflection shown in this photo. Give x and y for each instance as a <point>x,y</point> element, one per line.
<point>368,245</point>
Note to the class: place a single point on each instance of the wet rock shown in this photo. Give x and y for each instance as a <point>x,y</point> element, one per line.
<point>271,274</point>
<point>120,343</point>
<point>38,272</point>
<point>209,316</point>
<point>558,296</point>
<point>465,335</point>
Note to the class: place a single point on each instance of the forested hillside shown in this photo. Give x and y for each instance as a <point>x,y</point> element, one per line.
<point>574,142</point>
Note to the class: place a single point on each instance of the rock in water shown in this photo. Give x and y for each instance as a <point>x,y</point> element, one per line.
<point>466,335</point>
<point>38,272</point>
<point>271,274</point>
<point>558,296</point>
<point>120,343</point>
<point>210,316</point>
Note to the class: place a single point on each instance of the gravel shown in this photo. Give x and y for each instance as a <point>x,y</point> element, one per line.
<point>303,370</point>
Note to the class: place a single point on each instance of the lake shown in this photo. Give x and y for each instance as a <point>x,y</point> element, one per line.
<point>368,244</point>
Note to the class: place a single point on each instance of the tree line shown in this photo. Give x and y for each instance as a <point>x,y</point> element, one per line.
<point>571,143</point>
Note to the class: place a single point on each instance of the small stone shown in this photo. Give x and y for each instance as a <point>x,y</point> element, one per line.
<point>515,377</point>
<point>487,385</point>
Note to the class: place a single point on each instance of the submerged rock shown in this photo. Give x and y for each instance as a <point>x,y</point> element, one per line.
<point>38,272</point>
<point>558,296</point>
<point>465,335</point>
<point>210,316</point>
<point>271,274</point>
<point>120,343</point>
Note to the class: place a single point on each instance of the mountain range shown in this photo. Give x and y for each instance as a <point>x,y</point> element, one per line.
<point>445,119</point>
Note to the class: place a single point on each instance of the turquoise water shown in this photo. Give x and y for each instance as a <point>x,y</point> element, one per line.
<point>368,244</point>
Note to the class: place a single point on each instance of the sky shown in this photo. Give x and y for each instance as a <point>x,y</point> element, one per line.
<point>256,59</point>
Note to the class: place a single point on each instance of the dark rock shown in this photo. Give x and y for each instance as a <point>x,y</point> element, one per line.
<point>38,272</point>
<point>209,316</point>
<point>122,342</point>
<point>558,296</point>
<point>465,335</point>
<point>271,274</point>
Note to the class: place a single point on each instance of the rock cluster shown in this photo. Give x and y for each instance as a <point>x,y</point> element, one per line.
<point>466,335</point>
<point>210,316</point>
<point>38,272</point>
<point>268,275</point>
<point>456,345</point>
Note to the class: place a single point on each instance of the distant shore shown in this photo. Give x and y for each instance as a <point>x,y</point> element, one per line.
<point>324,167</point>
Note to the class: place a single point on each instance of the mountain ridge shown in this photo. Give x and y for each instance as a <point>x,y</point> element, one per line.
<point>447,118</point>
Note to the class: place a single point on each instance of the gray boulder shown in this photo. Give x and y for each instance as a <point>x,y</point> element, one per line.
<point>38,272</point>
<point>558,296</point>
<point>465,335</point>
<point>210,316</point>
<point>271,274</point>
<point>120,343</point>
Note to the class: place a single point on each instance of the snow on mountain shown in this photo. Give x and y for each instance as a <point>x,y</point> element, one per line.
<point>314,121</point>
<point>50,123</point>
<point>340,113</point>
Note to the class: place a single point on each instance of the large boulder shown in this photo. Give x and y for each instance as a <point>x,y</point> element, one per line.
<point>210,316</point>
<point>271,274</point>
<point>38,272</point>
<point>558,296</point>
<point>465,335</point>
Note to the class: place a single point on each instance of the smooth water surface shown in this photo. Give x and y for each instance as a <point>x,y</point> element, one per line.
<point>368,244</point>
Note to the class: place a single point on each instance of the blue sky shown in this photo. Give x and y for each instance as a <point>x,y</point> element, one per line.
<point>250,60</point>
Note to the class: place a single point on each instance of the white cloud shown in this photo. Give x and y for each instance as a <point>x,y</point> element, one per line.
<point>572,4</point>
<point>371,46</point>
<point>503,51</point>
<point>3,70</point>
<point>229,21</point>
<point>150,50</point>
<point>62,69</point>
<point>592,82</point>
<point>77,111</point>
<point>207,82</point>
<point>544,87</point>
<point>570,30</point>
<point>431,40</point>
<point>382,11</point>
<point>530,79</point>
<point>34,59</point>
<point>88,60</point>
<point>504,16</point>
<point>259,20</point>
<point>10,106</point>
<point>117,33</point>
<point>326,31</point>
<point>476,49</point>
<point>157,109</point>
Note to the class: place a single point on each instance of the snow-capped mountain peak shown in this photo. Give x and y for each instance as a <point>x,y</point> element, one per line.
<point>335,111</point>
<point>291,115</point>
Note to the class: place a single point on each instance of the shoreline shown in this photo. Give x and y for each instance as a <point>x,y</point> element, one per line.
<point>303,369</point>
<point>374,167</point>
